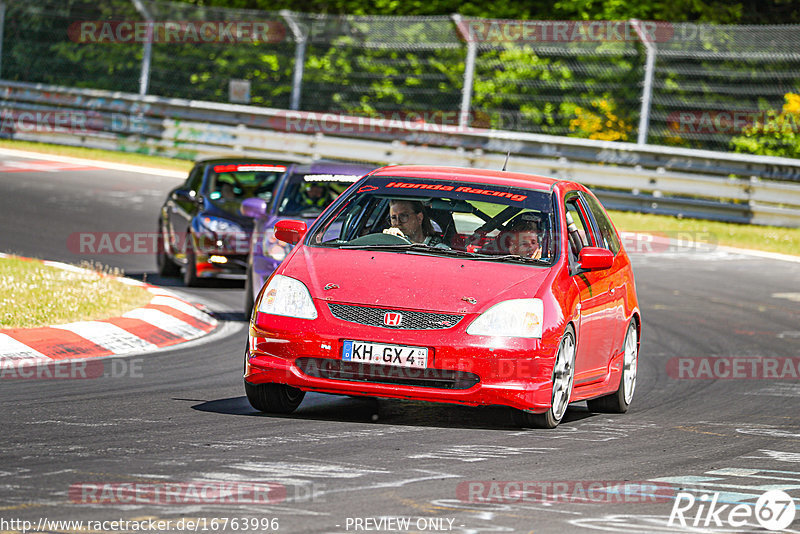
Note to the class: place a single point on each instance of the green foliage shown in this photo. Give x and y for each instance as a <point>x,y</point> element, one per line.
<point>713,11</point>
<point>778,134</point>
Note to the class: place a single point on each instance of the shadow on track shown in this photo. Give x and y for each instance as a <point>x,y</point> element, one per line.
<point>332,408</point>
<point>177,282</point>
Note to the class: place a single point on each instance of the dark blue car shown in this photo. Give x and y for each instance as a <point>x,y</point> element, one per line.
<point>203,232</point>
<point>304,192</point>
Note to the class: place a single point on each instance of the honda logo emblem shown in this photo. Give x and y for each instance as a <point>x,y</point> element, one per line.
<point>392,319</point>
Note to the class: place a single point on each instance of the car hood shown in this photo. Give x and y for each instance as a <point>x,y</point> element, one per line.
<point>228,209</point>
<point>411,281</point>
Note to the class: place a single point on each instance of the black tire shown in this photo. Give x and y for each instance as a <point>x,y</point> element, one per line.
<point>190,278</point>
<point>249,300</point>
<point>166,267</point>
<point>620,400</point>
<point>558,406</point>
<point>273,398</point>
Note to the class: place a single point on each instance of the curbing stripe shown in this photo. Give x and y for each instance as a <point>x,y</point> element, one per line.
<point>57,344</point>
<point>11,349</point>
<point>108,336</point>
<point>177,314</point>
<point>181,306</point>
<point>137,327</point>
<point>166,320</point>
<point>94,163</point>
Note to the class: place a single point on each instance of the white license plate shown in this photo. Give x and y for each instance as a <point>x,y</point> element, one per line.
<point>399,355</point>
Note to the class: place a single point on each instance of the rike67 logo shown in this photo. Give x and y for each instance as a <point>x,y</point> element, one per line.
<point>774,511</point>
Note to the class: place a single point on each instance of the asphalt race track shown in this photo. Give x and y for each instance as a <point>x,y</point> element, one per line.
<point>344,464</point>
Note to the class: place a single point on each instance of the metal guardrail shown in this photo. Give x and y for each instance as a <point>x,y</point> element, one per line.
<point>692,183</point>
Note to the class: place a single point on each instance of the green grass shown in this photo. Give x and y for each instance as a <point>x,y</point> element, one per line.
<point>102,155</point>
<point>33,294</point>
<point>767,238</point>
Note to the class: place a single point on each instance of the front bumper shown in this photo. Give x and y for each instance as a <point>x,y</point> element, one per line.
<point>210,265</point>
<point>462,369</point>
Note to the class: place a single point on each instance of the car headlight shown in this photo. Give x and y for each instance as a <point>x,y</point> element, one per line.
<point>511,318</point>
<point>288,297</point>
<point>220,226</point>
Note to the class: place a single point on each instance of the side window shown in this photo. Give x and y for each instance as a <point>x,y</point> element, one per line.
<point>195,177</point>
<point>607,232</point>
<point>579,230</point>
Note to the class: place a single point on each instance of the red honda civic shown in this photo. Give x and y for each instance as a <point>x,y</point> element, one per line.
<point>442,284</point>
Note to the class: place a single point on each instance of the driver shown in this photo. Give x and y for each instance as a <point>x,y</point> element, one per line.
<point>521,238</point>
<point>315,196</point>
<point>410,220</point>
<point>226,186</point>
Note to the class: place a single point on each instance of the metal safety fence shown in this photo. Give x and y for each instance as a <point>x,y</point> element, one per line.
<point>686,182</point>
<point>673,84</point>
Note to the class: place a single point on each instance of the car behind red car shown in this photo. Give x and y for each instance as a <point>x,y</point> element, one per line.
<point>454,285</point>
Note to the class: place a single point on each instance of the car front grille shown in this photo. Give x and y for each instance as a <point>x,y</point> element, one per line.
<point>411,320</point>
<point>386,374</point>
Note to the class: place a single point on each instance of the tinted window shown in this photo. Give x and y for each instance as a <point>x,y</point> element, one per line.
<point>607,232</point>
<point>195,177</point>
<point>308,193</point>
<point>240,181</point>
<point>578,227</point>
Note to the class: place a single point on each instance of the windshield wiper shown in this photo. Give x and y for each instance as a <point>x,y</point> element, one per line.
<point>513,257</point>
<point>412,247</point>
<point>419,247</point>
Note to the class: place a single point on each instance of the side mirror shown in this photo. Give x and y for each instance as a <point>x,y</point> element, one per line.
<point>254,207</point>
<point>595,259</point>
<point>290,231</point>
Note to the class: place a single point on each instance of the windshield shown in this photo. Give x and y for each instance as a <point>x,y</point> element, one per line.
<point>236,182</point>
<point>481,222</point>
<point>307,194</point>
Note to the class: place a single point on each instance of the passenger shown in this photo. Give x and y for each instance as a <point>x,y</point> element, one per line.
<point>410,220</point>
<point>521,238</point>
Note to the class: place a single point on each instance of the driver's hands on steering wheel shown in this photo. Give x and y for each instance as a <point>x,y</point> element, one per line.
<point>395,232</point>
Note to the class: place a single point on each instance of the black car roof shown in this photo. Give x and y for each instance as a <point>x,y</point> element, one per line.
<point>287,161</point>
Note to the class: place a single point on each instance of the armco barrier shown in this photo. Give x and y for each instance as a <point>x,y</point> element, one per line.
<point>694,183</point>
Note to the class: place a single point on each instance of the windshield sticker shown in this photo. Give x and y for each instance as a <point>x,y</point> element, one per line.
<point>462,189</point>
<point>248,168</point>
<point>331,177</point>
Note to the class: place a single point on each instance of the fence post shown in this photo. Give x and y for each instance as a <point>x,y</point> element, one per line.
<point>300,40</point>
<point>2,28</point>
<point>647,91</point>
<point>144,77</point>
<point>469,69</point>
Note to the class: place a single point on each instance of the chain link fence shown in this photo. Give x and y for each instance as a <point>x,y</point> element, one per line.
<point>694,86</point>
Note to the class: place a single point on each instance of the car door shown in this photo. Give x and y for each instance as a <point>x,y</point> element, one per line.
<point>594,344</point>
<point>182,206</point>
<point>616,275</point>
